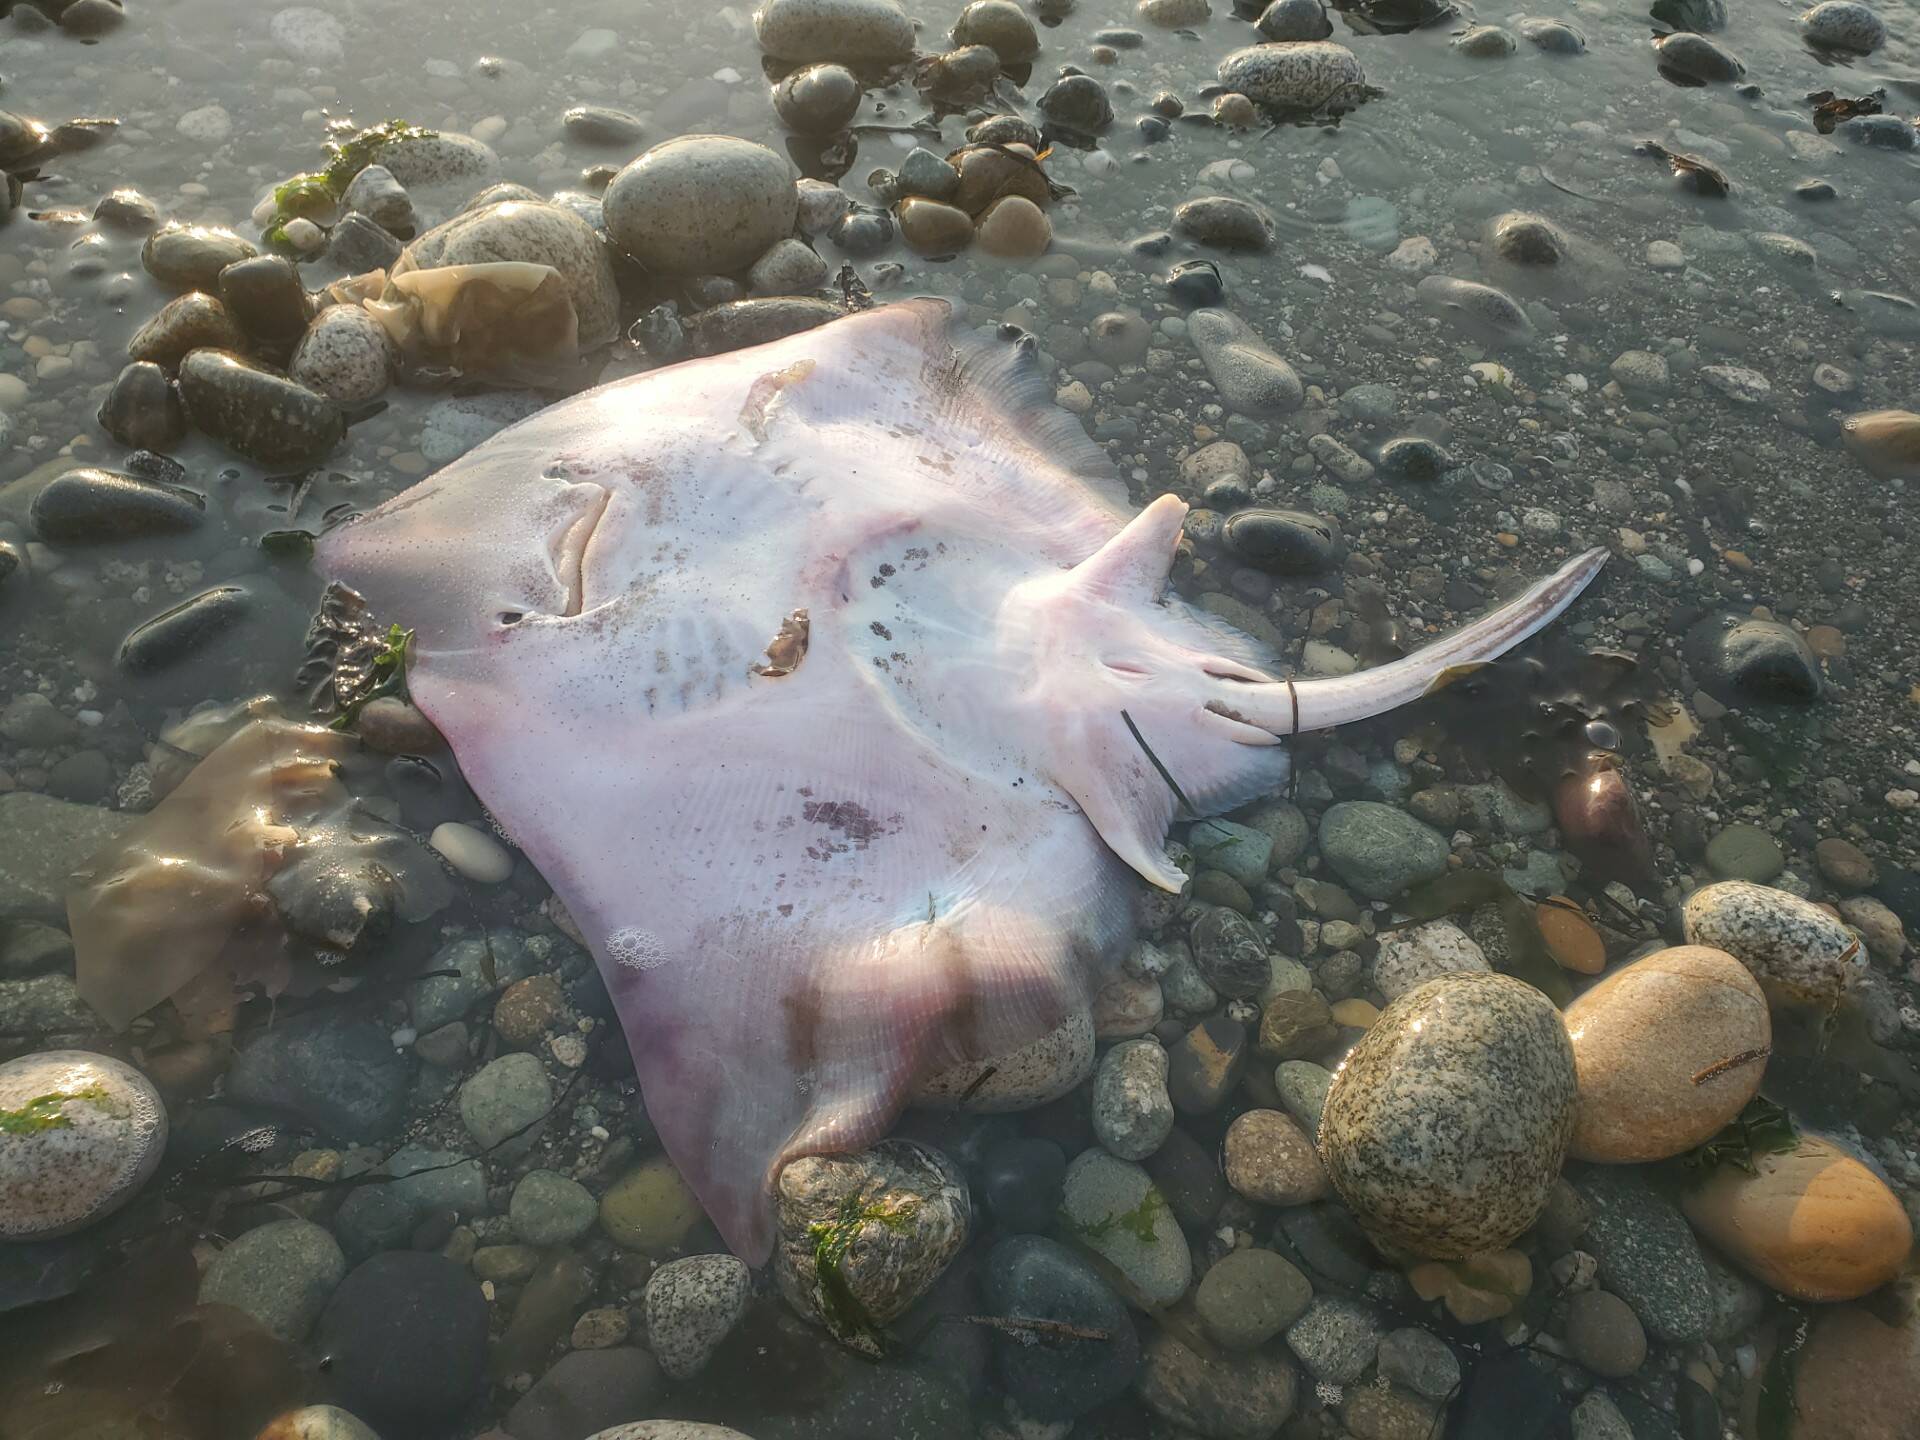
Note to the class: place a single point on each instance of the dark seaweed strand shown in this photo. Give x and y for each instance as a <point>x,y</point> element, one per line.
<point>1147,750</point>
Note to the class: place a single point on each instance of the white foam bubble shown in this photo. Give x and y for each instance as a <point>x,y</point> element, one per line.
<point>636,949</point>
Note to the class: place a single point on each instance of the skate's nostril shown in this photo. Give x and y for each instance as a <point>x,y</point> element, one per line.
<point>1121,667</point>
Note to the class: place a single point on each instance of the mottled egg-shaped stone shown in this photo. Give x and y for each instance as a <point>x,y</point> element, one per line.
<point>690,1307</point>
<point>79,1134</point>
<point>1699,58</point>
<point>1485,42</point>
<point>1667,1050</point>
<point>1447,1124</point>
<point>1292,75</point>
<point>1527,239</point>
<point>862,1236</point>
<point>1796,950</point>
<point>1478,309</point>
<point>1844,25</point>
<point>345,355</point>
<point>845,30</point>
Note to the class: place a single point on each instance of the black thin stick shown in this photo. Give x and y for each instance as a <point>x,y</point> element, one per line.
<point>1172,784</point>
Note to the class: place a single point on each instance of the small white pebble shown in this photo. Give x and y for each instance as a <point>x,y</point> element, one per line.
<point>303,235</point>
<point>475,854</point>
<point>601,1133</point>
<point>1903,799</point>
<point>404,1037</point>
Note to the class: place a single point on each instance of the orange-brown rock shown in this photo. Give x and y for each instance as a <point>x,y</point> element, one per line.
<point>1666,1050</point>
<point>1858,1378</point>
<point>1014,228</point>
<point>987,174</point>
<point>1813,1223</point>
<point>1571,939</point>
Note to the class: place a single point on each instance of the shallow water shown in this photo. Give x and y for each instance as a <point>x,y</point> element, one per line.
<point>1709,501</point>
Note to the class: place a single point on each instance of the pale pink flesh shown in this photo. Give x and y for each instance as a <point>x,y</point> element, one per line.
<point>807,892</point>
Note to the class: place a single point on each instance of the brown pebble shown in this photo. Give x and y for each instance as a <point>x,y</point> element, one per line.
<point>1571,939</point>
<point>930,228</point>
<point>987,174</point>
<point>1270,1160</point>
<point>1014,228</point>
<point>1826,642</point>
<point>391,726</point>
<point>1605,1335</point>
<point>528,1011</point>
<point>1844,865</point>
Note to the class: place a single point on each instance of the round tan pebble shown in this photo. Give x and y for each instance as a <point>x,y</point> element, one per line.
<point>1355,1013</point>
<point>1270,1160</point>
<point>1605,1335</point>
<point>1813,1223</point>
<point>931,228</point>
<point>1571,939</point>
<point>1235,110</point>
<point>1646,1040</point>
<point>80,1133</point>
<point>1014,228</point>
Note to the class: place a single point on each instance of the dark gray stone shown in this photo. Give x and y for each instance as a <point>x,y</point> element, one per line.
<point>1027,1277</point>
<point>339,1074</point>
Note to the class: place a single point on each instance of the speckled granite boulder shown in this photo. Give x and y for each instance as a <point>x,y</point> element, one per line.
<point>1292,75</point>
<point>1796,950</point>
<point>862,1236</point>
<point>79,1135</point>
<point>690,1307</point>
<point>1447,1125</point>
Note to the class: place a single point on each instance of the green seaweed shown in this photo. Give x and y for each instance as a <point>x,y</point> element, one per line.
<point>48,1112</point>
<point>1762,1128</point>
<point>314,193</point>
<point>1141,1222</point>
<point>843,1311</point>
<point>390,675</point>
